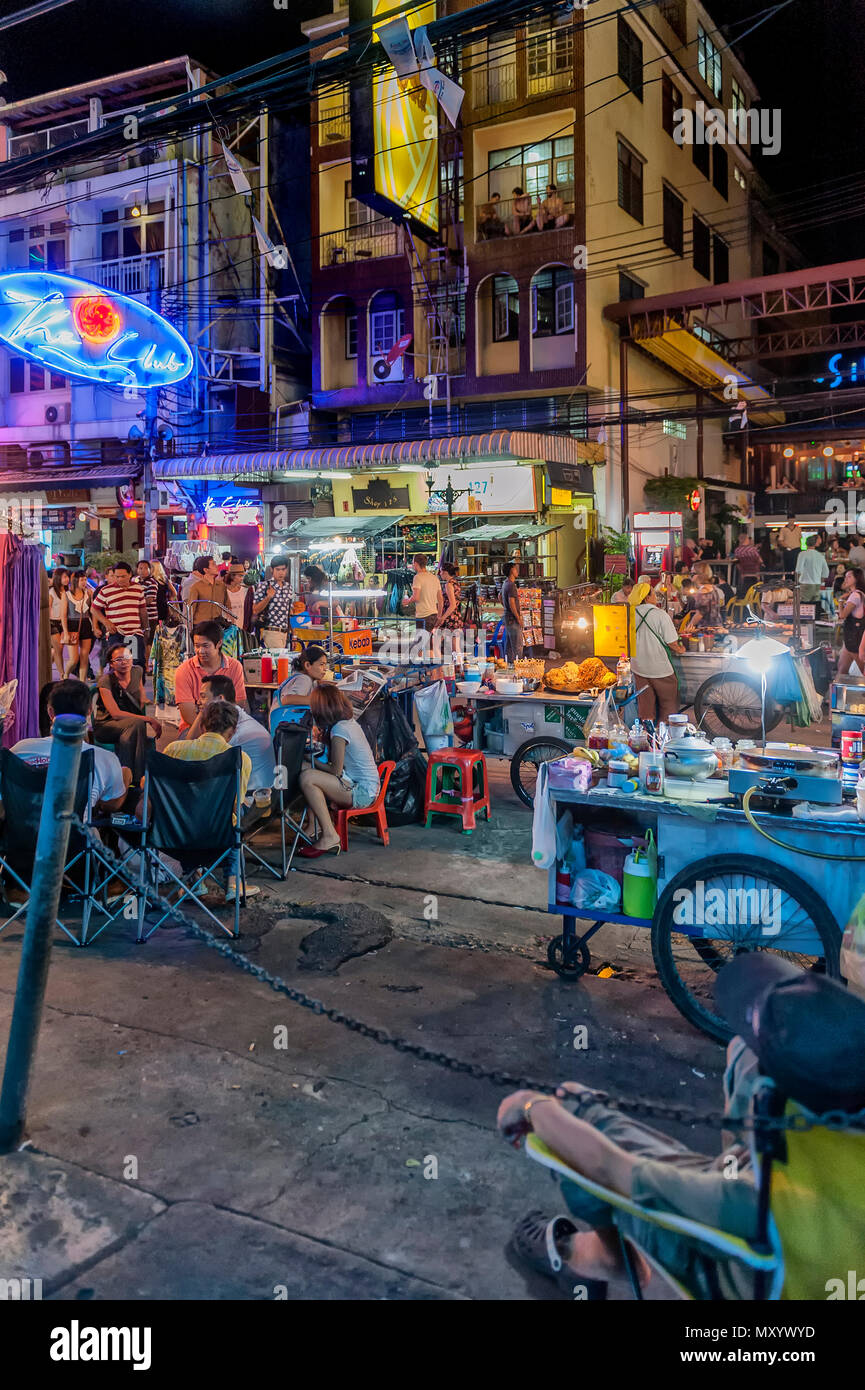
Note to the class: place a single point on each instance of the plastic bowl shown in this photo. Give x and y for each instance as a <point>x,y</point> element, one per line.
<point>506,687</point>
<point>468,687</point>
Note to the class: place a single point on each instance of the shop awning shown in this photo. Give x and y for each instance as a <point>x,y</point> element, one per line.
<point>272,466</point>
<point>324,528</point>
<point>61,479</point>
<point>490,532</point>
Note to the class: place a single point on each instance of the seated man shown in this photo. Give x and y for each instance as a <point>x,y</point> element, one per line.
<point>249,735</point>
<point>780,1012</point>
<point>207,661</point>
<point>219,722</point>
<point>110,780</point>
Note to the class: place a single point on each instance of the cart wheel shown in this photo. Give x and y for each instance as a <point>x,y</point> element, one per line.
<point>730,703</point>
<point>527,760</point>
<point>568,964</point>
<point>785,917</point>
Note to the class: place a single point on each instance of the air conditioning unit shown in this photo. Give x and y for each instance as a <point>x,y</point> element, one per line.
<point>385,372</point>
<point>45,455</point>
<point>58,414</point>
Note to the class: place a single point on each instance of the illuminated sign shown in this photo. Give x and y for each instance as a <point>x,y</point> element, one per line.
<point>489,489</point>
<point>839,373</point>
<point>88,332</point>
<point>394,133</point>
<point>231,511</point>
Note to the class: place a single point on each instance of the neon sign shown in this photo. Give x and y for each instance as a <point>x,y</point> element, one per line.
<point>86,331</point>
<point>839,373</point>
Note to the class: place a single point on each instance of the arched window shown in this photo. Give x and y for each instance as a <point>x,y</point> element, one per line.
<point>552,301</point>
<point>339,343</point>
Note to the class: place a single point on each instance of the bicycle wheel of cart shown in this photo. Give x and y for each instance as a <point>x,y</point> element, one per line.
<point>527,760</point>
<point>725,905</point>
<point>729,703</point>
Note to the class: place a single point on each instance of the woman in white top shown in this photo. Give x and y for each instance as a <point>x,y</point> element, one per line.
<point>78,598</point>
<point>58,615</point>
<point>308,669</point>
<point>654,637</point>
<point>348,776</point>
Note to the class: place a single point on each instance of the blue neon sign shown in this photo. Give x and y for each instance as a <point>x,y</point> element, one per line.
<point>90,332</point>
<point>839,374</point>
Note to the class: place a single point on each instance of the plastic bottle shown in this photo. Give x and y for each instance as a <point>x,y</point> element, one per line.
<point>860,795</point>
<point>623,670</point>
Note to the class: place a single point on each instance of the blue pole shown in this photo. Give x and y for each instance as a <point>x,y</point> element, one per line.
<point>51,851</point>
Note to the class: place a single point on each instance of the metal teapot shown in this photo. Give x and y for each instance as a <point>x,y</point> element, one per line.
<point>690,758</point>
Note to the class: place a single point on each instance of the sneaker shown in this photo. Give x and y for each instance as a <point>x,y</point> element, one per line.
<point>252,890</point>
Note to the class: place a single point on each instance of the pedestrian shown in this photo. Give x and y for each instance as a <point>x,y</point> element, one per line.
<point>206,595</point>
<point>207,660</point>
<point>144,574</point>
<point>271,605</point>
<point>513,616</point>
<point>450,615</point>
<point>348,775</point>
<point>655,638</point>
<point>426,595</point>
<point>851,616</point>
<point>239,596</point>
<point>79,599</point>
<point>790,543</point>
<point>812,571</point>
<point>58,613</point>
<point>120,607</point>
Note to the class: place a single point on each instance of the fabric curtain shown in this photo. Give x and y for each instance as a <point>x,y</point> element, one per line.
<point>25,651</point>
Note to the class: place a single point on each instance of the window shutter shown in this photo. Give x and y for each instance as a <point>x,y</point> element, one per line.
<point>565,308</point>
<point>500,317</point>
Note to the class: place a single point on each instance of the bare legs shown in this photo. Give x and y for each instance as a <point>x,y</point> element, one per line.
<point>318,788</point>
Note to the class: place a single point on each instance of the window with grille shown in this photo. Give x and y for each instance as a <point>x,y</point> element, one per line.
<point>549,54</point>
<point>676,428</point>
<point>702,247</point>
<point>673,11</point>
<point>720,260</point>
<point>532,167</point>
<point>629,288</point>
<point>720,170</point>
<point>552,302</point>
<point>671,102</point>
<point>708,62</point>
<point>737,97</point>
<point>385,327</point>
<point>674,221</point>
<point>630,181</point>
<point>630,59</point>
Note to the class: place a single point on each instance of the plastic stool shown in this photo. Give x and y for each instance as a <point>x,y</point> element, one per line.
<point>461,764</point>
<point>377,809</point>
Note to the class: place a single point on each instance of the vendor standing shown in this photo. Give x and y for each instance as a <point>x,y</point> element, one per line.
<point>513,616</point>
<point>790,543</point>
<point>812,571</point>
<point>655,637</point>
<point>271,605</point>
<point>426,595</point>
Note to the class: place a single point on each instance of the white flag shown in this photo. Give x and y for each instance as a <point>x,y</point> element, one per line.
<point>448,94</point>
<point>395,39</point>
<point>238,177</point>
<point>277,256</point>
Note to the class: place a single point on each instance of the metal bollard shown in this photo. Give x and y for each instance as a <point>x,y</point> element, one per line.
<point>51,849</point>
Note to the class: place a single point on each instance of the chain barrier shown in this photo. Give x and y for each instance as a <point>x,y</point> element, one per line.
<point>650,1110</point>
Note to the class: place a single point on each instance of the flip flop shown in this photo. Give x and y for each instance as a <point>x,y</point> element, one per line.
<point>535,1242</point>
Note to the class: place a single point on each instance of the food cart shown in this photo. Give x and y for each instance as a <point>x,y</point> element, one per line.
<point>722,886</point>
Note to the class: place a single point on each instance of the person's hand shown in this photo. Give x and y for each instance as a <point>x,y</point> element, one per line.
<point>64,638</point>
<point>271,592</point>
<point>155,726</point>
<point>514,1121</point>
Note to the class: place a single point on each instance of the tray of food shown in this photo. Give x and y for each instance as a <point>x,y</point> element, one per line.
<point>574,678</point>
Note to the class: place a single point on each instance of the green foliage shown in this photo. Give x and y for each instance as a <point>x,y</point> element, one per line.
<point>669,492</point>
<point>615,542</point>
<point>103,560</point>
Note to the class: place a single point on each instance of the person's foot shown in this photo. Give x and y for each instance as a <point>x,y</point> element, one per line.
<point>252,890</point>
<point>589,1254</point>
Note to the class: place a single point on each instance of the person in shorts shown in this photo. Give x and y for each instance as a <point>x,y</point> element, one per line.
<point>347,776</point>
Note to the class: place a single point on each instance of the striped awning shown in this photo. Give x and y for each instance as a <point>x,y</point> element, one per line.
<point>67,477</point>
<point>271,466</point>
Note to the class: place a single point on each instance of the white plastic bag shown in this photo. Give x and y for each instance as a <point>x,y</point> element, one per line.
<point>543,824</point>
<point>594,889</point>
<point>853,950</point>
<point>434,714</point>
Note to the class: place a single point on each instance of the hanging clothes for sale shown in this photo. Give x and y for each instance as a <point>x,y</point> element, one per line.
<point>23,593</point>
<point>170,648</point>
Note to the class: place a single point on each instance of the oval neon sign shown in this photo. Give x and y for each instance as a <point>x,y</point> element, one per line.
<point>88,331</point>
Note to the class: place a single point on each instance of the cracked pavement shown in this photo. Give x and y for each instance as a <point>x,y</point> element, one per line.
<point>193,1134</point>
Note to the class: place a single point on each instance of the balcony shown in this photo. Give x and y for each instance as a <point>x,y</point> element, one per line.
<point>494,86</point>
<point>367,241</point>
<point>506,223</point>
<point>334,121</point>
<point>130,274</point>
<point>53,138</point>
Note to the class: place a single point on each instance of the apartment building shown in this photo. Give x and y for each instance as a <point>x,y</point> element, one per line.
<point>564,191</point>
<point>161,223</point>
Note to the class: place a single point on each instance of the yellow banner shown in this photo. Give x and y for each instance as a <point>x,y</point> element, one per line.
<point>405,119</point>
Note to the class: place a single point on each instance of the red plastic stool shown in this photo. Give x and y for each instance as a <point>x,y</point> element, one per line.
<point>463,762</point>
<point>345,814</point>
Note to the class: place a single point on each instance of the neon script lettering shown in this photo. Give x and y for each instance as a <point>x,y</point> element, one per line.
<point>89,332</point>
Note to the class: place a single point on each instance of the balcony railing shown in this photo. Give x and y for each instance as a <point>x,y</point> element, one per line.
<point>130,274</point>
<point>334,122</point>
<point>37,141</point>
<point>368,241</point>
<point>495,85</point>
<point>506,223</point>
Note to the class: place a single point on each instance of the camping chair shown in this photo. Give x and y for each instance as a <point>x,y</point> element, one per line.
<point>22,792</point>
<point>189,814</point>
<point>290,744</point>
<point>811,1211</point>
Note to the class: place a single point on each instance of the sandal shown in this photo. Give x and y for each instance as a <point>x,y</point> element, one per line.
<point>535,1241</point>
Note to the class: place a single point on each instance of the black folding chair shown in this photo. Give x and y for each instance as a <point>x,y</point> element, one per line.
<point>189,815</point>
<point>22,793</point>
<point>290,742</point>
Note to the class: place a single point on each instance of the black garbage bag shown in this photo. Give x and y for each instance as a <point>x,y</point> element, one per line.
<point>404,801</point>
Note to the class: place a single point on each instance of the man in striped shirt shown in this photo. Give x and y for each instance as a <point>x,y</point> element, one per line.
<point>120,606</point>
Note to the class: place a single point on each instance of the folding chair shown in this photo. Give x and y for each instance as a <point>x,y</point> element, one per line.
<point>290,742</point>
<point>22,792</point>
<point>189,815</point>
<point>810,1211</point>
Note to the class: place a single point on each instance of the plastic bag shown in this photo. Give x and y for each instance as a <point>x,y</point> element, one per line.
<point>853,950</point>
<point>605,714</point>
<point>595,889</point>
<point>543,824</point>
<point>434,714</point>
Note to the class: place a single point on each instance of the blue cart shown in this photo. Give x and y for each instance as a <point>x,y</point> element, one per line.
<point>723,888</point>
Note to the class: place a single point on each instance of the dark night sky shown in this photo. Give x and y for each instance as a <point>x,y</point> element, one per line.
<point>807,61</point>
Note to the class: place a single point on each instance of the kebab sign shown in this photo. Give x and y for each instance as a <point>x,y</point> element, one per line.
<point>89,332</point>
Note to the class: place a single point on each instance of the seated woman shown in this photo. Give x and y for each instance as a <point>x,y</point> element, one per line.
<point>307,670</point>
<point>317,584</point>
<point>347,777</point>
<point>120,716</point>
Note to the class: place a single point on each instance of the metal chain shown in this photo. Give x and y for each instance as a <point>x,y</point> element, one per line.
<point>680,1114</point>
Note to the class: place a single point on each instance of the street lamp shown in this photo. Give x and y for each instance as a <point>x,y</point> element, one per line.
<point>449,495</point>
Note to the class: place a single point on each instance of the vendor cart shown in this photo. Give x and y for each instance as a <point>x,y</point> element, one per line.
<point>722,888</point>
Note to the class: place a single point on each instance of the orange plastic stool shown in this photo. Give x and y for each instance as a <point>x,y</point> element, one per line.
<point>344,815</point>
<point>463,762</point>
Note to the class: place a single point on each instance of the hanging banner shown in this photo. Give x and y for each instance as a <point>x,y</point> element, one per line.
<point>238,177</point>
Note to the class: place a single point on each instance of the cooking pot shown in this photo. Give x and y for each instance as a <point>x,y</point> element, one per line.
<point>691,758</point>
